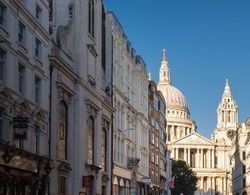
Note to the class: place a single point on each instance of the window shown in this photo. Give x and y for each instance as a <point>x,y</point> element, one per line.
<point>38,48</point>
<point>37,89</point>
<point>62,135</point>
<point>90,141</point>
<point>2,63</point>
<point>21,72</point>
<point>104,149</point>
<point>157,159</point>
<point>38,12</point>
<point>62,185</point>
<point>21,32</point>
<point>152,138</point>
<point>36,140</point>
<point>155,103</point>
<point>243,155</point>
<point>156,141</point>
<point>152,157</point>
<point>2,13</point>
<point>91,18</point>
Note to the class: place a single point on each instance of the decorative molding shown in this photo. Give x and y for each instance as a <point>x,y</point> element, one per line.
<point>92,108</point>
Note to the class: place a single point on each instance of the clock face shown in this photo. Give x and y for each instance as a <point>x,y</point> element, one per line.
<point>230,134</point>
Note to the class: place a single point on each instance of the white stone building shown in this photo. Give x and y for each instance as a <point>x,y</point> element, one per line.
<point>210,159</point>
<point>81,99</point>
<point>24,70</point>
<point>130,99</point>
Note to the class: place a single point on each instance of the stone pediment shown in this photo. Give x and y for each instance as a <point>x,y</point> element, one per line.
<point>194,139</point>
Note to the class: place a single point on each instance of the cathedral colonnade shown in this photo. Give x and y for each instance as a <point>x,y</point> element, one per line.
<point>196,157</point>
<point>211,185</point>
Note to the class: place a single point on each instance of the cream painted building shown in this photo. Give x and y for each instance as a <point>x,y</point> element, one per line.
<point>208,158</point>
<point>130,100</point>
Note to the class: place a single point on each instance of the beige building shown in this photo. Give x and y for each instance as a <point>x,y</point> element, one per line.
<point>209,158</point>
<point>130,100</point>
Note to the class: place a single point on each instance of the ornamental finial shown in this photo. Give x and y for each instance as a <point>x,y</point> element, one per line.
<point>164,51</point>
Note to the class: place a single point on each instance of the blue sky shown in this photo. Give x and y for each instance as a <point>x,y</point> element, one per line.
<point>207,41</point>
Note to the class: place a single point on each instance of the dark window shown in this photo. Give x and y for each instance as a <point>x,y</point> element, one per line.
<point>62,185</point>
<point>2,13</point>
<point>243,155</point>
<point>21,32</point>
<point>38,12</point>
<point>90,141</point>
<point>38,48</point>
<point>104,150</point>
<point>2,63</point>
<point>37,89</point>
<point>243,169</point>
<point>21,72</point>
<point>91,22</point>
<point>36,139</point>
<point>62,136</point>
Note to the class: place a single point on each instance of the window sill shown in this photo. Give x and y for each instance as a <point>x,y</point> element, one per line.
<point>38,61</point>
<point>21,47</point>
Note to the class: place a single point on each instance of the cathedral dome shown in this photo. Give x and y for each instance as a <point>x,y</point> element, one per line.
<point>174,98</point>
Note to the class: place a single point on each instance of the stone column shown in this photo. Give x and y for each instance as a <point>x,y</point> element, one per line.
<point>202,158</point>
<point>214,180</point>
<point>224,185</point>
<point>209,158</point>
<point>177,153</point>
<point>202,184</point>
<point>213,158</point>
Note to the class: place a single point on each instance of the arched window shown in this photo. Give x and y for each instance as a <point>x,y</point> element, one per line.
<point>90,140</point>
<point>63,130</point>
<point>104,150</point>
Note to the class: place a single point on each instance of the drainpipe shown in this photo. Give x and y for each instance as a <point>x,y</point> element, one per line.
<point>50,109</point>
<point>112,126</point>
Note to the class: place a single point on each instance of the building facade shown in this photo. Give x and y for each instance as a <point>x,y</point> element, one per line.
<point>24,70</point>
<point>130,100</point>
<point>81,107</point>
<point>209,159</point>
<point>240,158</point>
<point>157,140</point>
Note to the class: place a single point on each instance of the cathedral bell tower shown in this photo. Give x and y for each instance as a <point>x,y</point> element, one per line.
<point>227,112</point>
<point>227,117</point>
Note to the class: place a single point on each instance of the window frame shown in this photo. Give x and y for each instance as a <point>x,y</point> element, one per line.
<point>62,151</point>
<point>90,141</point>
<point>91,18</point>
<point>21,78</point>
<point>21,33</point>
<point>37,89</point>
<point>3,10</point>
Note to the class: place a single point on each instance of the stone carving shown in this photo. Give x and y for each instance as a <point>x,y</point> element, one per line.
<point>65,35</point>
